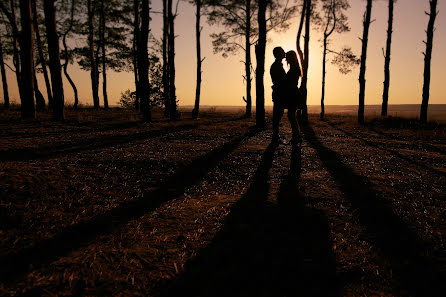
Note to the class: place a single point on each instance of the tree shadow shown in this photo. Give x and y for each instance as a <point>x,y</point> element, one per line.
<point>412,260</point>
<point>265,248</point>
<point>387,150</point>
<point>15,263</point>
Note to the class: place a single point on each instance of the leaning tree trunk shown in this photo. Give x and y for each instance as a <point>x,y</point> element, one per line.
<point>143,62</point>
<point>67,60</point>
<point>171,60</point>
<point>93,66</point>
<point>104,62</point>
<point>248,59</point>
<point>365,38</point>
<point>27,61</point>
<point>53,52</point>
<point>4,81</point>
<point>199,61</point>
<point>387,61</point>
<point>260,69</point>
<point>166,88</point>
<point>306,61</point>
<point>135,50</point>
<point>427,60</point>
<point>42,57</point>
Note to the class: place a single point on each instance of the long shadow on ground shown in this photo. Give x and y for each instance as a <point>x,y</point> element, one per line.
<point>46,152</point>
<point>264,248</point>
<point>411,260</point>
<point>16,263</point>
<point>388,150</point>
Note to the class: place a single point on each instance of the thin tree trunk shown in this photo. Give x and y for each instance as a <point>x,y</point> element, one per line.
<point>327,33</point>
<point>387,61</point>
<point>15,41</point>
<point>104,62</point>
<point>42,57</point>
<point>4,81</point>
<point>427,60</point>
<point>365,38</point>
<point>260,69</point>
<point>324,72</point>
<point>166,80</point>
<point>248,59</point>
<point>65,66</point>
<point>53,52</point>
<point>171,60</point>
<point>143,62</point>
<point>27,61</point>
<point>306,61</point>
<point>299,31</point>
<point>199,61</point>
<point>93,70</point>
<point>135,49</point>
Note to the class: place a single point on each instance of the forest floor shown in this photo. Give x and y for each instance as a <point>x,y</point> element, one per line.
<point>104,205</point>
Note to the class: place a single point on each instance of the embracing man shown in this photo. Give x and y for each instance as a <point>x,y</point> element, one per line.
<point>285,93</point>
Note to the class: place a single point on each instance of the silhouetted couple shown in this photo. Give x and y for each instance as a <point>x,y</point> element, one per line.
<point>286,94</point>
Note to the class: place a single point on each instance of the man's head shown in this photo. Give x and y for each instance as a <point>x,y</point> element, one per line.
<point>278,53</point>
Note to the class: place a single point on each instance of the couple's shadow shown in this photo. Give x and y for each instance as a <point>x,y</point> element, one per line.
<point>265,248</point>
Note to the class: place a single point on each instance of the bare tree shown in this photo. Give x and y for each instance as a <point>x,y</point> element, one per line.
<point>67,54</point>
<point>427,59</point>
<point>335,21</point>
<point>12,19</point>
<point>54,63</point>
<point>387,60</point>
<point>93,61</point>
<point>143,62</point>
<point>135,50</point>
<point>41,56</point>
<point>171,59</point>
<point>28,108</point>
<point>4,81</point>
<point>260,59</point>
<point>103,58</point>
<point>365,38</point>
<point>165,78</point>
<point>198,29</point>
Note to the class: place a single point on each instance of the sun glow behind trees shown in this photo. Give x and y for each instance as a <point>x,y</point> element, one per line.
<point>222,78</point>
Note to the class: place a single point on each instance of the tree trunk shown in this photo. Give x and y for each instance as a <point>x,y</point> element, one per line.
<point>248,59</point>
<point>27,61</point>
<point>299,31</point>
<point>53,52</point>
<point>260,68</point>
<point>104,62</point>
<point>199,61</point>
<point>387,60</point>
<point>171,61</point>
<point>143,62</point>
<point>324,72</point>
<point>4,81</point>
<point>427,60</point>
<point>365,38</point>
<point>15,41</point>
<point>42,57</point>
<point>306,61</point>
<point>135,49</point>
<point>166,87</point>
<point>327,33</point>
<point>65,66</point>
<point>93,66</point>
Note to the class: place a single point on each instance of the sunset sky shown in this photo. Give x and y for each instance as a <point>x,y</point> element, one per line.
<point>222,77</point>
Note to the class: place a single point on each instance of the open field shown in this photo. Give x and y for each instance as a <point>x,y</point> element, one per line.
<point>105,205</point>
